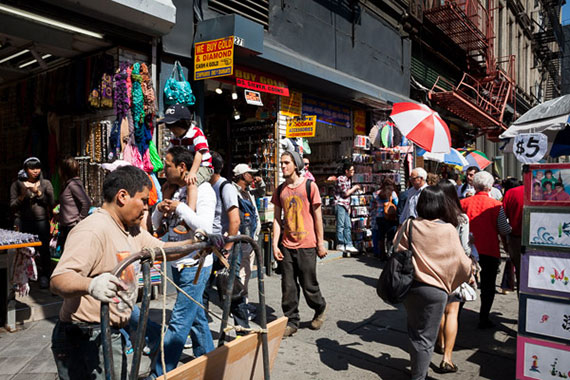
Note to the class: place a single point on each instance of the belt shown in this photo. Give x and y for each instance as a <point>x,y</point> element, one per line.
<point>84,328</point>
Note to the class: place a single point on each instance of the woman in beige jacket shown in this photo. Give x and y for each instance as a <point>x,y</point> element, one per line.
<point>440,266</point>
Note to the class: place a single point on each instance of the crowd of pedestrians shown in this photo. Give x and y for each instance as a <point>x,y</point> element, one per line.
<point>468,216</point>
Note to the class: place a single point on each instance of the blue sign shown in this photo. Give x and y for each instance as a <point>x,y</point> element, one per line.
<point>327,112</point>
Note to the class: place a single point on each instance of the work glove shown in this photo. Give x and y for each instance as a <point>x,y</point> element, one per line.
<point>105,288</point>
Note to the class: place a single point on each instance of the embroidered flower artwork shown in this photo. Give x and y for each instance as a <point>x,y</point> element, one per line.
<point>559,276</point>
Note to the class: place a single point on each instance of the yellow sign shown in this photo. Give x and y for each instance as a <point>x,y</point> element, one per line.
<point>292,105</point>
<point>359,122</point>
<point>304,127</point>
<point>214,58</point>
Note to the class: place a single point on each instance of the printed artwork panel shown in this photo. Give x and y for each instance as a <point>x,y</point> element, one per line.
<point>549,229</point>
<point>541,360</point>
<point>549,273</point>
<point>548,318</point>
<point>547,185</point>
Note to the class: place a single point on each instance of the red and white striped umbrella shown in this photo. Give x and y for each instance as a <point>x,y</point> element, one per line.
<point>423,126</point>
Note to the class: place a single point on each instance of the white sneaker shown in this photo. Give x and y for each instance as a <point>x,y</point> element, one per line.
<point>188,343</point>
<point>340,247</point>
<point>351,249</point>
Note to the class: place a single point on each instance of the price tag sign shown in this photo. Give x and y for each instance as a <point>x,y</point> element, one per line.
<point>530,147</point>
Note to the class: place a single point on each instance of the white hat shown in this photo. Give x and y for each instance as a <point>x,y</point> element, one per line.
<point>115,165</point>
<point>242,169</point>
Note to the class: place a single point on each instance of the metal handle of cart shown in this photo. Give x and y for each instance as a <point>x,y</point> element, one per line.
<point>145,257</point>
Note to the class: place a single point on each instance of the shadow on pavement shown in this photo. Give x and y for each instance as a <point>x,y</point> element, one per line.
<point>339,356</point>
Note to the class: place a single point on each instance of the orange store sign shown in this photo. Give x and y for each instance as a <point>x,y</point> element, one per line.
<point>258,81</point>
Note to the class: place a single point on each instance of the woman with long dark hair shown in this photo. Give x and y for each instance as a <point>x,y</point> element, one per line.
<point>31,199</point>
<point>74,203</point>
<point>449,322</point>
<point>438,270</point>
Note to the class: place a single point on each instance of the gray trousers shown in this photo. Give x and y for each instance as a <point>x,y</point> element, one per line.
<point>424,305</point>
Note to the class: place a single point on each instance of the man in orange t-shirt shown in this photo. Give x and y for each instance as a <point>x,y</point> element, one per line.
<point>301,231</point>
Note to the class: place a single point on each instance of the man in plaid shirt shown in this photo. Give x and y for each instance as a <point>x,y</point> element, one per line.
<point>343,191</point>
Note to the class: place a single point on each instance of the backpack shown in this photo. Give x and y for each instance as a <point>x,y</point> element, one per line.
<point>396,279</point>
<point>245,207</point>
<point>390,210</point>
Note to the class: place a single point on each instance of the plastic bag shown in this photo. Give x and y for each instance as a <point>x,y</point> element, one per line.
<point>222,277</point>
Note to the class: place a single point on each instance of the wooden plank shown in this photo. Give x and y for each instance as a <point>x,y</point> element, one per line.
<point>239,359</point>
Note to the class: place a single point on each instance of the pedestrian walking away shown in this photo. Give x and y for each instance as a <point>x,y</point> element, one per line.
<point>438,270</point>
<point>297,241</point>
<point>487,220</point>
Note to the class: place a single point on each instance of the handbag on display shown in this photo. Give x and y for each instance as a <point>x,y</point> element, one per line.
<point>177,89</point>
<point>396,279</point>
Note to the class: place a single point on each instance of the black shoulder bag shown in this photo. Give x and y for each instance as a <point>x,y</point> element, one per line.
<point>396,279</point>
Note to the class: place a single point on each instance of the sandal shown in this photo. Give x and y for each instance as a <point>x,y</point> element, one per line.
<point>446,367</point>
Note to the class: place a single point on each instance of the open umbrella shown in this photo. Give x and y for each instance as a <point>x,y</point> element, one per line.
<point>454,157</point>
<point>422,125</point>
<point>478,159</point>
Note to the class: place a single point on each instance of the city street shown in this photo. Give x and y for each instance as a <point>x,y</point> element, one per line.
<point>362,338</point>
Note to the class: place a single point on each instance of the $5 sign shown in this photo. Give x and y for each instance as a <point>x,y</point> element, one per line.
<point>530,147</point>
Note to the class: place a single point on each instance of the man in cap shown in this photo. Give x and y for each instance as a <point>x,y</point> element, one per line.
<point>243,180</point>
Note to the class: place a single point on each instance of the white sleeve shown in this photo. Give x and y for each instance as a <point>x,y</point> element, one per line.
<point>203,217</point>
<point>156,218</point>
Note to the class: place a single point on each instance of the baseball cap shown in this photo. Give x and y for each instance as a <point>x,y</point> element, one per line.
<point>174,113</point>
<point>242,169</point>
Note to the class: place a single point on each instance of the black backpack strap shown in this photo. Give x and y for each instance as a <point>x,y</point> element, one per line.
<point>222,194</point>
<point>308,186</point>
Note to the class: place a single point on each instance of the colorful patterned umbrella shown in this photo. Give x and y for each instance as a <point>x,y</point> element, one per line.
<point>423,126</point>
<point>454,157</point>
<point>477,158</point>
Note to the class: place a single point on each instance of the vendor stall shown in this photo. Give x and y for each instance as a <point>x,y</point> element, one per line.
<point>543,342</point>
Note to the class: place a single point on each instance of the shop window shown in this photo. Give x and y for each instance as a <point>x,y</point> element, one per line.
<point>255,10</point>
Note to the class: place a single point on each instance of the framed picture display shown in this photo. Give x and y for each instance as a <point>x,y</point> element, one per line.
<point>542,360</point>
<point>547,185</point>
<point>544,317</point>
<point>546,227</point>
<point>546,273</point>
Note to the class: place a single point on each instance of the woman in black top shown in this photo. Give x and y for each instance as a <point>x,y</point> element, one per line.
<point>31,199</point>
<point>74,203</point>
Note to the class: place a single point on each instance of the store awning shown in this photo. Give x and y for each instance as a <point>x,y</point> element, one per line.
<point>152,17</point>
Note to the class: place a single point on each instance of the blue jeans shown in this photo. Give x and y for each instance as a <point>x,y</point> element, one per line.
<point>343,226</point>
<point>186,318</point>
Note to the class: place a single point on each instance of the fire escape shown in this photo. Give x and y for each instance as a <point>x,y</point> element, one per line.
<point>545,44</point>
<point>481,96</point>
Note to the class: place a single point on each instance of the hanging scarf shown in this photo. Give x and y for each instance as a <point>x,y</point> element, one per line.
<point>137,95</point>
<point>121,93</point>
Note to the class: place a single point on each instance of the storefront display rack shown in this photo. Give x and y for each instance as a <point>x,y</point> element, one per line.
<point>254,143</point>
<point>359,210</point>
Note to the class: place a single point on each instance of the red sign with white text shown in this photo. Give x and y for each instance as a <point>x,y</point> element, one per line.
<point>258,81</point>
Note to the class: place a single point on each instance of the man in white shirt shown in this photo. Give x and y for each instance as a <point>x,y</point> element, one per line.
<point>187,317</point>
<point>418,178</point>
<point>467,189</point>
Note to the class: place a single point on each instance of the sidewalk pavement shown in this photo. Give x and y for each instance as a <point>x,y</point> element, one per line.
<point>362,338</point>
